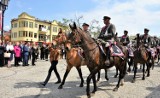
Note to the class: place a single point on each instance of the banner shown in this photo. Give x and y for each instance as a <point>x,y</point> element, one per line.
<point>0,20</point>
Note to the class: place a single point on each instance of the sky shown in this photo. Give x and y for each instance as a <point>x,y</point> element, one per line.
<point>131,15</point>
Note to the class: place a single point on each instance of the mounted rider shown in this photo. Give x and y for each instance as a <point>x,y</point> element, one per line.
<point>85,27</point>
<point>125,38</point>
<point>146,39</point>
<point>107,34</point>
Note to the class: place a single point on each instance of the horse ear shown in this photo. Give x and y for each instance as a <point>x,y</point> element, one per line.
<point>116,34</point>
<point>70,27</point>
<point>74,25</point>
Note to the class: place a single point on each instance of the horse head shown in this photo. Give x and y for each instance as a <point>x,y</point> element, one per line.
<point>74,36</point>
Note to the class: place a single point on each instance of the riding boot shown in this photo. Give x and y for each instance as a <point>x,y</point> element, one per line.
<point>107,62</point>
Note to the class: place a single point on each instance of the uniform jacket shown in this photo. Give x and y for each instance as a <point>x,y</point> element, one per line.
<point>125,40</point>
<point>110,30</point>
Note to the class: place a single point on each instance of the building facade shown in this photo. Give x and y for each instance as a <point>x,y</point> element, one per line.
<point>29,28</point>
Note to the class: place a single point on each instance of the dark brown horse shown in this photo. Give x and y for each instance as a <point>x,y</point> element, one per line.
<point>95,58</point>
<point>141,56</point>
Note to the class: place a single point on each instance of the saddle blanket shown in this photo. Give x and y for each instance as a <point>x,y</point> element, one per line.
<point>116,51</point>
<point>130,51</point>
<point>153,51</point>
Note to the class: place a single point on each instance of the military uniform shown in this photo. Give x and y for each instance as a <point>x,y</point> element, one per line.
<point>107,33</point>
<point>125,39</point>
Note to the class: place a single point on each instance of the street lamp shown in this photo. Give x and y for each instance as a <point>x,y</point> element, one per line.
<point>3,7</point>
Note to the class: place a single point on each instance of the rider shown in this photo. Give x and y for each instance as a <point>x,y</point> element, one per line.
<point>125,38</point>
<point>107,33</point>
<point>85,27</point>
<point>146,38</point>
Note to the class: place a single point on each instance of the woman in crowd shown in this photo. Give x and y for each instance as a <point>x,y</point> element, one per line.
<point>9,49</point>
<point>17,52</point>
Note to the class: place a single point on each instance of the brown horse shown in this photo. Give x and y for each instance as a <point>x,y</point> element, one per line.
<point>95,58</point>
<point>75,60</point>
<point>141,56</point>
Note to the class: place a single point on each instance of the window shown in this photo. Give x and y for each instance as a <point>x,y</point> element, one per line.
<point>25,23</point>
<point>26,33</point>
<point>54,29</point>
<point>30,34</point>
<point>15,35</point>
<point>35,35</point>
<point>15,25</point>
<point>31,24</point>
<point>20,33</point>
<point>36,25</point>
<point>49,27</point>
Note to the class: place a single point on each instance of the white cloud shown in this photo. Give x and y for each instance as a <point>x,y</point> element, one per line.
<point>131,15</point>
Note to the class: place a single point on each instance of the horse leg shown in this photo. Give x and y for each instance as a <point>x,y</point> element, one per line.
<point>135,71</point>
<point>94,83</point>
<point>148,70</point>
<point>106,75</point>
<point>91,75</point>
<point>98,75</point>
<point>121,76</point>
<point>80,75</point>
<point>143,78</point>
<point>152,63</point>
<point>65,76</point>
<point>115,76</point>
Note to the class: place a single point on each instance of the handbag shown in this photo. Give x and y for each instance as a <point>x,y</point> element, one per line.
<point>7,55</point>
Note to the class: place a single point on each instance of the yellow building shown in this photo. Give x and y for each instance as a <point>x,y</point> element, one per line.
<point>29,28</point>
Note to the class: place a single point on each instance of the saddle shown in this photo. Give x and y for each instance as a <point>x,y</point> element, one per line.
<point>114,49</point>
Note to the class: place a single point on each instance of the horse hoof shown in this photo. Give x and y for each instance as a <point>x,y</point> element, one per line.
<point>115,76</point>
<point>81,85</point>
<point>148,75</point>
<point>122,84</point>
<point>88,96</point>
<point>115,89</point>
<point>107,79</point>
<point>133,81</point>
<point>143,78</point>
<point>60,87</point>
